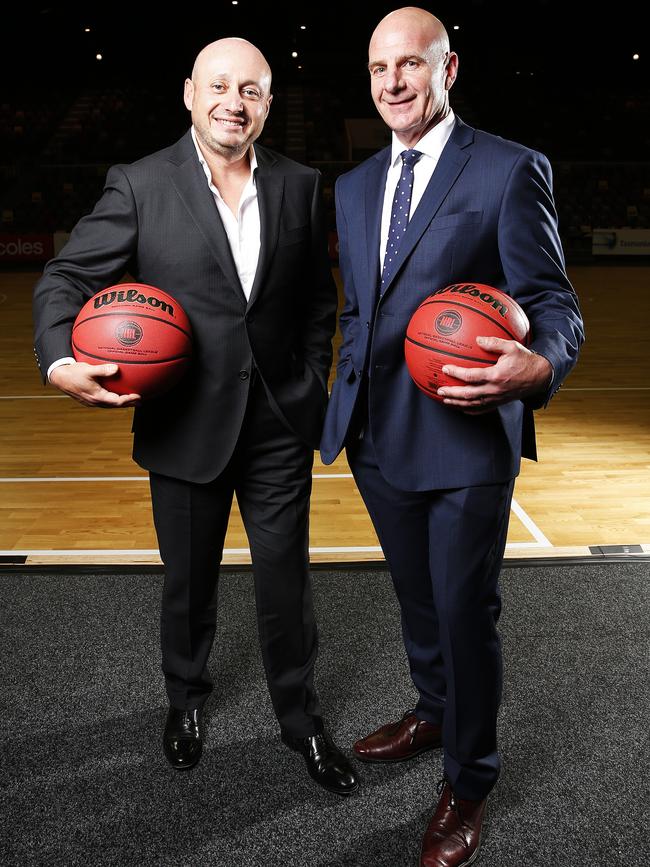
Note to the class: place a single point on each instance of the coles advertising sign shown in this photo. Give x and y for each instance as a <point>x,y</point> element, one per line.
<point>26,248</point>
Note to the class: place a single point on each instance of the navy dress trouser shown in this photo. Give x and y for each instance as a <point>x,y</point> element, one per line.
<point>445,550</point>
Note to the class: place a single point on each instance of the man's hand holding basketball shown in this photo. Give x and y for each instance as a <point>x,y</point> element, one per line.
<point>81,381</point>
<point>517,373</point>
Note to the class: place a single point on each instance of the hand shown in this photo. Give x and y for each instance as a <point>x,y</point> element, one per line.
<point>517,373</point>
<point>80,380</point>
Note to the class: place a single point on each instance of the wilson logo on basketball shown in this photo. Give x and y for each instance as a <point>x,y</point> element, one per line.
<point>128,333</point>
<point>448,322</point>
<point>474,292</point>
<point>131,296</point>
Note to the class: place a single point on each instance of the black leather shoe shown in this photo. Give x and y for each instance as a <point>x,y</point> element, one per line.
<point>183,738</point>
<point>325,762</point>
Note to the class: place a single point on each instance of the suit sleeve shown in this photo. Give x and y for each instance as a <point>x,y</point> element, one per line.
<point>97,255</point>
<point>320,315</point>
<point>533,263</point>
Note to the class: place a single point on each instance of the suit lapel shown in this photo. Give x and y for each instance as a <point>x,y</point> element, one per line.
<point>373,203</point>
<point>451,163</point>
<point>191,185</point>
<point>270,191</point>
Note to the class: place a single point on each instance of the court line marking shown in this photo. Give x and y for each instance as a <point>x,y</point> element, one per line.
<point>530,525</point>
<point>28,479</point>
<point>154,552</point>
<point>36,479</point>
<point>526,520</point>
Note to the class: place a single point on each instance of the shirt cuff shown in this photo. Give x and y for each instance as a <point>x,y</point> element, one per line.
<point>59,363</point>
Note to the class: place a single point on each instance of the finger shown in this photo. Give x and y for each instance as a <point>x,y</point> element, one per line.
<point>482,404</point>
<point>130,400</point>
<point>102,370</point>
<point>467,374</point>
<point>469,392</point>
<point>98,396</point>
<point>495,344</point>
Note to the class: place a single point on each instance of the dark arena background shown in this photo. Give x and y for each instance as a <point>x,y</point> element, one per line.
<point>85,86</point>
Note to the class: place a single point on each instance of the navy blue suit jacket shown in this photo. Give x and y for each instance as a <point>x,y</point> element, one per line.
<point>487,216</point>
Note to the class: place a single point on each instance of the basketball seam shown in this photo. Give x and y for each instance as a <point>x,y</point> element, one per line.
<point>450,354</point>
<point>132,316</point>
<point>474,310</point>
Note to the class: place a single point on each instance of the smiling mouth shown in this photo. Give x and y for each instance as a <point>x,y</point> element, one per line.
<point>401,102</point>
<point>228,122</point>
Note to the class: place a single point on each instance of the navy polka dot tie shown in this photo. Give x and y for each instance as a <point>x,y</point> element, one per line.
<point>399,215</point>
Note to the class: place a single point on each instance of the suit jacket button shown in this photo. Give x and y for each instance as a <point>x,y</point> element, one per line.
<point>243,374</point>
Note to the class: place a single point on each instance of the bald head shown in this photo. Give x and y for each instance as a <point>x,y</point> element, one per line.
<point>229,95</point>
<point>410,20</point>
<point>411,72</point>
<point>241,50</point>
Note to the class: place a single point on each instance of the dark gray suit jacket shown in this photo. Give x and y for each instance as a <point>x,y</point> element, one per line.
<point>157,220</point>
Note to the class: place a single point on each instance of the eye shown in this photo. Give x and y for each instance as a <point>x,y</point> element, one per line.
<point>251,93</point>
<point>219,87</point>
<point>411,64</point>
<point>378,70</point>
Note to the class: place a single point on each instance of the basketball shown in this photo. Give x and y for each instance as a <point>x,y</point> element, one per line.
<point>140,328</point>
<point>444,328</point>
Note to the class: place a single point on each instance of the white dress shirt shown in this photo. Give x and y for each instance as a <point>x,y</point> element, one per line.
<point>243,231</point>
<point>430,146</point>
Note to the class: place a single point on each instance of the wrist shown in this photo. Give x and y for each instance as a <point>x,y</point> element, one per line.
<point>543,372</point>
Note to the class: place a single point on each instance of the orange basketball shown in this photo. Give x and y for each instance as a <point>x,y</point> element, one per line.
<point>444,328</point>
<point>140,328</point>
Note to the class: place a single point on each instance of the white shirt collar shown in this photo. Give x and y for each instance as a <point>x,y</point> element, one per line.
<point>206,167</point>
<point>430,144</point>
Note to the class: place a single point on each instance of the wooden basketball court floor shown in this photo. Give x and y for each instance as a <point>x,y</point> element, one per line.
<point>70,493</point>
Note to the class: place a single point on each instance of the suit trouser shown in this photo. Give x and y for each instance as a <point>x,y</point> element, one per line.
<point>444,550</point>
<point>270,472</point>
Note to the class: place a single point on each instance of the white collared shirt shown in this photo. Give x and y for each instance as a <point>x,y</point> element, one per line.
<point>431,146</point>
<point>243,230</point>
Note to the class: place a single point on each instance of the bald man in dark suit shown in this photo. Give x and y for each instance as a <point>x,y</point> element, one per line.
<point>236,234</point>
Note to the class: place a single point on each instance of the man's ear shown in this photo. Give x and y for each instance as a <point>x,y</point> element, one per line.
<point>188,94</point>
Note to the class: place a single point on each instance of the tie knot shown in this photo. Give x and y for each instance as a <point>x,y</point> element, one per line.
<point>410,157</point>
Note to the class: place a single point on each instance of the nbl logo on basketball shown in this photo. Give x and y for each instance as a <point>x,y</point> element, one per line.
<point>128,333</point>
<point>448,322</point>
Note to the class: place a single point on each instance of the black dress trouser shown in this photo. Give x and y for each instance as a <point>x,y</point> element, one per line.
<point>270,472</point>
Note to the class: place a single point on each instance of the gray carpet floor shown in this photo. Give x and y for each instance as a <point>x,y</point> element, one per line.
<point>84,780</point>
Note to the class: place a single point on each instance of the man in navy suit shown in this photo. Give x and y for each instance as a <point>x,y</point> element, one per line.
<point>443,204</point>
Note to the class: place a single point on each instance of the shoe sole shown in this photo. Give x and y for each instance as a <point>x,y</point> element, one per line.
<point>414,755</point>
<point>339,792</point>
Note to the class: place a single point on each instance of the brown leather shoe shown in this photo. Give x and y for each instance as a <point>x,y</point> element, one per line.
<point>397,742</point>
<point>453,836</point>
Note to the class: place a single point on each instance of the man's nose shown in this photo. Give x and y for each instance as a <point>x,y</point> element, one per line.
<point>235,103</point>
<point>393,80</point>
